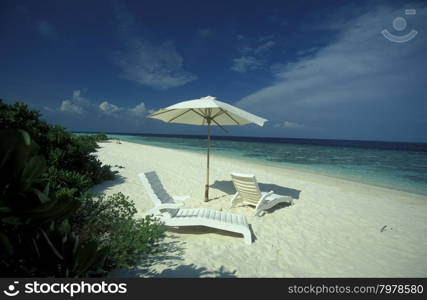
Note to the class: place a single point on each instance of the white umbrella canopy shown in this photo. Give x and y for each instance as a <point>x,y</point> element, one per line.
<point>200,111</point>
<point>206,111</point>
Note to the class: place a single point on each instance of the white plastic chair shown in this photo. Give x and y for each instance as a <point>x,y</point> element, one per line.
<point>172,215</point>
<point>248,193</point>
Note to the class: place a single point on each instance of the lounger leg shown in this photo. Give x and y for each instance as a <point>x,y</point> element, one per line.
<point>258,212</point>
<point>247,234</point>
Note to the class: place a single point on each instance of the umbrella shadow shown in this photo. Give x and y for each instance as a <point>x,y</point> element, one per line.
<point>227,187</point>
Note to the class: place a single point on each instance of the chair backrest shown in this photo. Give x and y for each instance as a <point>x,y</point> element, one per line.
<point>247,187</point>
<point>155,188</point>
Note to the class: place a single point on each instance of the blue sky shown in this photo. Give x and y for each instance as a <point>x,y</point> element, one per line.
<point>314,69</point>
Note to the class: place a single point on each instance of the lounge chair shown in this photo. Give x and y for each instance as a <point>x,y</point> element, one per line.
<point>157,192</point>
<point>172,215</point>
<point>248,193</point>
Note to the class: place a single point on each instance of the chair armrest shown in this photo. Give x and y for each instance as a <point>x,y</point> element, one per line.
<point>265,196</point>
<point>158,209</point>
<point>262,201</point>
<point>233,200</point>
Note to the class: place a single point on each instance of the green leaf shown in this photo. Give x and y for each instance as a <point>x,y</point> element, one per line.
<point>55,251</point>
<point>26,137</point>
<point>36,248</point>
<point>42,196</point>
<point>14,151</point>
<point>85,257</point>
<point>5,209</point>
<point>33,169</point>
<point>100,257</point>
<point>64,228</point>
<point>12,220</point>
<point>46,189</point>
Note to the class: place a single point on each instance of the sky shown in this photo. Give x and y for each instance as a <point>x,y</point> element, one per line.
<point>314,69</point>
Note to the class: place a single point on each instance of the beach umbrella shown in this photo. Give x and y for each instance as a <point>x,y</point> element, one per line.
<point>206,111</point>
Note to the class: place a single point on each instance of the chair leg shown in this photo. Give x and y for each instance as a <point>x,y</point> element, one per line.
<point>247,234</point>
<point>258,212</point>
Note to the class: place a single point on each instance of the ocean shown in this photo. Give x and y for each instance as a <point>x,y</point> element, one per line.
<point>395,165</point>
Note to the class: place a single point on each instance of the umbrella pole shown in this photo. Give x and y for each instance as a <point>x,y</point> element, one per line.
<point>207,170</point>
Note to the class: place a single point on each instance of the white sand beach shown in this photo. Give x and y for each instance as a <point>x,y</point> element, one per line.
<point>335,229</point>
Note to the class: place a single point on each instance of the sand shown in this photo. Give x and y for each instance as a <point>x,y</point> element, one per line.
<point>336,228</point>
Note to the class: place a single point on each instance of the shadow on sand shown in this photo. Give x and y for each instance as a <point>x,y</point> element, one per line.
<point>170,258</point>
<point>227,187</point>
<point>192,271</point>
<point>104,186</point>
<point>194,230</point>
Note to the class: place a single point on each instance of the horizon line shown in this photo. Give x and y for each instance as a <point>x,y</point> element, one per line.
<point>265,137</point>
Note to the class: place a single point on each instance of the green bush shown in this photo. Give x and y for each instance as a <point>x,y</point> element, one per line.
<point>52,224</point>
<point>35,236</point>
<point>18,115</point>
<point>100,137</point>
<point>111,221</point>
<point>66,153</point>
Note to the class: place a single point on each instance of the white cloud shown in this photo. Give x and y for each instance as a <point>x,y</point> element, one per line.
<point>79,105</point>
<point>358,72</point>
<point>266,37</point>
<point>139,110</point>
<point>76,105</point>
<point>292,125</point>
<point>252,53</point>
<point>70,107</point>
<point>264,47</point>
<point>246,63</point>
<point>158,65</point>
<point>108,108</point>
<point>307,51</point>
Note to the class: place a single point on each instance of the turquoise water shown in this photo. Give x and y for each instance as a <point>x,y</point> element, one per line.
<point>375,163</point>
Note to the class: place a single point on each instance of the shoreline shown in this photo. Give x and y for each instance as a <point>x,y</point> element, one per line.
<point>302,171</point>
<point>336,228</point>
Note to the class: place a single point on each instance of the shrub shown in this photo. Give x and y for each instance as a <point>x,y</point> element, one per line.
<point>57,231</point>
<point>66,153</point>
<point>100,137</point>
<point>35,235</point>
<point>111,221</point>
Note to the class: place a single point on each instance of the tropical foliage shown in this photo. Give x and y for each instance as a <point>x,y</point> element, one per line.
<point>50,222</point>
<point>35,234</point>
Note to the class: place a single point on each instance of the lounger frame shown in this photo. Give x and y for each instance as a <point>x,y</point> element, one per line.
<point>249,193</point>
<point>172,215</point>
